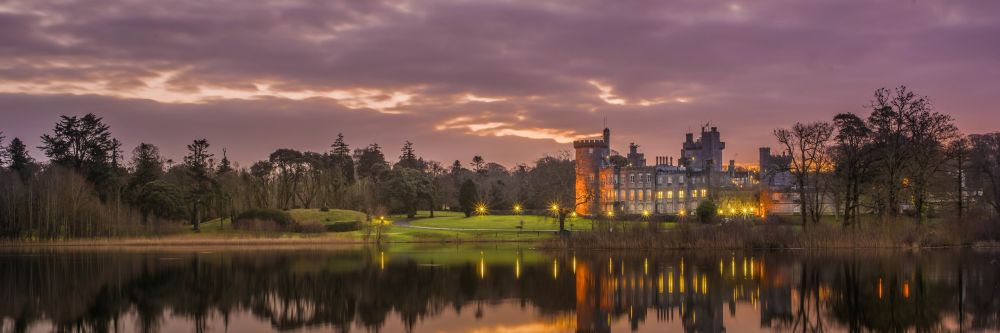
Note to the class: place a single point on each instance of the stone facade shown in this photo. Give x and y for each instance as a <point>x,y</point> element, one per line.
<point>631,187</point>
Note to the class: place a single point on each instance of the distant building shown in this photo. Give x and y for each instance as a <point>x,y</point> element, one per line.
<point>607,183</point>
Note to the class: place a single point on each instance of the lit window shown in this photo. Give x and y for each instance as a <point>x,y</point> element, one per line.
<point>704,192</point>
<point>659,195</point>
<point>680,194</point>
<point>670,194</point>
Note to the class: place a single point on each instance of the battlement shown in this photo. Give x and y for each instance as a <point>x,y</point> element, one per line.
<point>590,143</point>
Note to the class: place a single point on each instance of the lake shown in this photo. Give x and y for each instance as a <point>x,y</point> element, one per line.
<point>496,288</point>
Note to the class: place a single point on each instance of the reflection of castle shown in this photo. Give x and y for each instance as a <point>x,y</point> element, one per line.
<point>608,183</point>
<point>695,292</point>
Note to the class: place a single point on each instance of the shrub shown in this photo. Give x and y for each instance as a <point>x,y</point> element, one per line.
<point>706,211</point>
<point>344,226</point>
<point>311,228</point>
<point>281,219</point>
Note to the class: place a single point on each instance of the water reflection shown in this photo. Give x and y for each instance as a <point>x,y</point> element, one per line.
<point>461,289</point>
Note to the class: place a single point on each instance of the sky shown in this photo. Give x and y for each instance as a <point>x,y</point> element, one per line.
<point>508,80</point>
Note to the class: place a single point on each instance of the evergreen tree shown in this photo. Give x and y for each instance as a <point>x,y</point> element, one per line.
<point>371,162</point>
<point>408,158</point>
<point>224,165</point>
<point>341,159</point>
<point>468,197</point>
<point>85,144</point>
<point>197,164</point>
<point>147,164</point>
<point>17,155</point>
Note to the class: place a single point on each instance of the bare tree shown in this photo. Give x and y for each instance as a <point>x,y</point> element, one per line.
<point>807,145</point>
<point>958,152</point>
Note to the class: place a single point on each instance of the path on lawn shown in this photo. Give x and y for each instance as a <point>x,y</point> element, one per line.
<point>405,223</point>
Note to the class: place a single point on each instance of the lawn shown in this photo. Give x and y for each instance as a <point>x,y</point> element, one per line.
<point>500,222</point>
<point>502,228</point>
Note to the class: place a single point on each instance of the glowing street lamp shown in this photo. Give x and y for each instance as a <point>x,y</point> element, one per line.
<point>517,209</point>
<point>481,209</point>
<point>555,207</point>
<point>645,213</point>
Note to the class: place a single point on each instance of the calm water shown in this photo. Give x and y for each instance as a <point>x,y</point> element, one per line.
<point>495,289</point>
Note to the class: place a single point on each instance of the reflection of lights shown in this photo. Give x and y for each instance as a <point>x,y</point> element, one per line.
<point>659,284</point>
<point>704,284</point>
<point>680,280</point>
<point>381,260</point>
<point>574,264</point>
<point>722,268</point>
<point>906,289</point>
<point>732,268</point>
<point>555,269</point>
<point>879,288</point>
<point>482,265</point>
<point>744,267</point>
<point>645,266</point>
<point>517,267</point>
<point>670,283</point>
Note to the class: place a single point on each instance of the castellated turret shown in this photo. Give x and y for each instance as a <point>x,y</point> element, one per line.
<point>591,156</point>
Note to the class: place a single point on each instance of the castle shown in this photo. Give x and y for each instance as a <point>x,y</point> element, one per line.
<point>607,183</point>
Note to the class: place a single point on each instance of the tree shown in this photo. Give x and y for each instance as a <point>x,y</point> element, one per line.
<point>198,167</point>
<point>889,123</point>
<point>20,161</point>
<point>84,144</point>
<point>706,211</point>
<point>478,164</point>
<point>371,162</point>
<point>158,198</point>
<point>929,133</point>
<point>553,179</point>
<point>147,165</point>
<point>985,168</point>
<point>958,152</point>
<point>3,152</point>
<point>406,187</point>
<point>289,164</point>
<point>852,151</point>
<point>224,164</point>
<point>468,197</point>
<point>807,146</point>
<point>409,159</point>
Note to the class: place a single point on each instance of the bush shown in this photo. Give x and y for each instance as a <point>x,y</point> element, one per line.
<point>311,228</point>
<point>281,219</point>
<point>344,226</point>
<point>706,211</point>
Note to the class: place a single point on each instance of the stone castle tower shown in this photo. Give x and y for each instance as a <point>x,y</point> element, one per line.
<point>591,156</point>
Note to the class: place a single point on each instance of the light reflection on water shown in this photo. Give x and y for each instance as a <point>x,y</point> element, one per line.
<point>496,289</point>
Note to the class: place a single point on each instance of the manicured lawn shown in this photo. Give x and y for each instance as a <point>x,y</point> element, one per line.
<point>501,222</point>
<point>327,217</point>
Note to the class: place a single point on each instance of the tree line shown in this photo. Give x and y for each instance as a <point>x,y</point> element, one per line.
<point>904,159</point>
<point>89,187</point>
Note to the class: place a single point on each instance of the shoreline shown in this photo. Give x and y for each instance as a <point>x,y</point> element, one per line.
<point>547,244</point>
